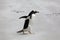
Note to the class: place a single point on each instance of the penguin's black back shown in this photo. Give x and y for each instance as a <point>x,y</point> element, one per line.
<point>26,24</point>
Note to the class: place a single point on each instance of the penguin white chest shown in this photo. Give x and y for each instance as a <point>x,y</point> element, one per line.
<point>32,20</point>
<point>33,17</point>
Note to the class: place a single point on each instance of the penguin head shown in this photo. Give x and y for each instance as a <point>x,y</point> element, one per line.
<point>33,13</point>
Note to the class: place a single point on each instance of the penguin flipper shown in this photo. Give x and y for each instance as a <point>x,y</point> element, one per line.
<point>23,17</point>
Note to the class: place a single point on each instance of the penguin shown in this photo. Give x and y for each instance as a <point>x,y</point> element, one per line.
<point>28,18</point>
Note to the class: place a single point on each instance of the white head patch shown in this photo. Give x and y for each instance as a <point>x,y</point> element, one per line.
<point>33,14</point>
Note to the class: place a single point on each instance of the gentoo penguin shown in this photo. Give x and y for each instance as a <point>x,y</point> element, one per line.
<point>27,22</point>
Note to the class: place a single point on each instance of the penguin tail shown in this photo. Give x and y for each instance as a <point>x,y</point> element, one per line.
<point>20,31</point>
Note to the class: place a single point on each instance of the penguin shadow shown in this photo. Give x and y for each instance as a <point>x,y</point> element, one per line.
<point>23,33</point>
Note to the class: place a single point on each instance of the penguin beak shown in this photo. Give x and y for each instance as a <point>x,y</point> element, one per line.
<point>37,11</point>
